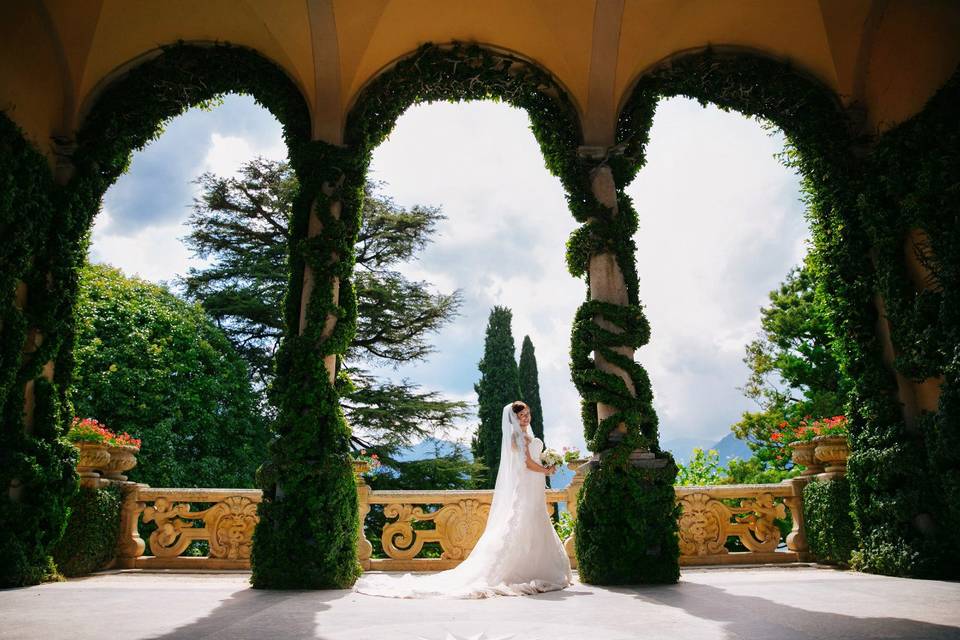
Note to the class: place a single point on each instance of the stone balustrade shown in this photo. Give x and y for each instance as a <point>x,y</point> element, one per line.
<point>450,520</point>
<point>225,523</point>
<point>710,515</point>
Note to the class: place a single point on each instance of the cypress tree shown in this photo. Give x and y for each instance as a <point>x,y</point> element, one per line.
<point>530,385</point>
<point>530,388</point>
<point>499,384</point>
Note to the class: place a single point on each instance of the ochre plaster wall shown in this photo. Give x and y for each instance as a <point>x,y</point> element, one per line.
<point>889,56</point>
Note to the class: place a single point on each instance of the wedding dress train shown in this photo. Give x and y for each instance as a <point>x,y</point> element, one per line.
<point>519,551</point>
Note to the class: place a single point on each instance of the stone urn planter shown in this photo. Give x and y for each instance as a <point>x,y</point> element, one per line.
<point>93,457</point>
<point>833,452</point>
<point>803,454</point>
<point>122,458</point>
<point>360,467</point>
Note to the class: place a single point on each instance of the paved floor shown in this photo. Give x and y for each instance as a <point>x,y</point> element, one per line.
<point>781,603</point>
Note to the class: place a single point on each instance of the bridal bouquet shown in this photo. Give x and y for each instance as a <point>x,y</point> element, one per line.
<point>550,458</point>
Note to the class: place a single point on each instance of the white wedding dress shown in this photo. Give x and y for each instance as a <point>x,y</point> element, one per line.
<point>519,551</point>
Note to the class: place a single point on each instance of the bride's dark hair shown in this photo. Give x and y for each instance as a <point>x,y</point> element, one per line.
<point>519,406</point>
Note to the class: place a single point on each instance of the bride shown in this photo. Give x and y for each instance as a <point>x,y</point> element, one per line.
<point>519,552</point>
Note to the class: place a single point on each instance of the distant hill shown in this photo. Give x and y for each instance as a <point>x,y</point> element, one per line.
<point>432,447</point>
<point>729,446</point>
<point>681,448</point>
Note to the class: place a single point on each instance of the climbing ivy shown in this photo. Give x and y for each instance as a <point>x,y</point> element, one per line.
<point>827,521</point>
<point>860,206</point>
<point>915,186</point>
<point>307,535</point>
<point>47,225</point>
<point>469,72</point>
<point>36,464</point>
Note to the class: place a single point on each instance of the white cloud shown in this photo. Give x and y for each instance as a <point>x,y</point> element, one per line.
<point>720,225</point>
<point>227,154</point>
<point>153,253</point>
<point>145,211</point>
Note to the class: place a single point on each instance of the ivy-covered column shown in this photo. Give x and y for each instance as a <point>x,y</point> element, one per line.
<point>626,527</point>
<point>37,472</point>
<point>307,534</point>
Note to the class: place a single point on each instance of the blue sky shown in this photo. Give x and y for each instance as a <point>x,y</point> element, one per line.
<point>720,225</point>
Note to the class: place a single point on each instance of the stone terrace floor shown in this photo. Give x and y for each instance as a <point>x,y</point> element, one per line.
<point>755,603</point>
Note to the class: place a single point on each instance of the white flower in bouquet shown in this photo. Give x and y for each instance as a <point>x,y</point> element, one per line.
<point>550,458</point>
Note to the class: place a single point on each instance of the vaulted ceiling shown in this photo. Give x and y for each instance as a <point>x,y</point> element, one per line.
<point>889,56</point>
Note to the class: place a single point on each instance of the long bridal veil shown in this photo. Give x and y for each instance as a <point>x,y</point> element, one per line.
<point>518,550</point>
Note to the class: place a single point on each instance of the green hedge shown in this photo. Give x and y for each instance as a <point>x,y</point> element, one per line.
<point>905,478</point>
<point>38,461</point>
<point>828,521</point>
<point>90,539</point>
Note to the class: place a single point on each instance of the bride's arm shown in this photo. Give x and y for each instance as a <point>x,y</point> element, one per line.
<point>528,459</point>
<point>533,466</point>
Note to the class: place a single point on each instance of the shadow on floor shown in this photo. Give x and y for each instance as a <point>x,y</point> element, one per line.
<point>255,613</point>
<point>756,617</point>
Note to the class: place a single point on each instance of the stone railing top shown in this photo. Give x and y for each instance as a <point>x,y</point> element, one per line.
<point>439,496</point>
<point>145,494</point>
<point>780,490</point>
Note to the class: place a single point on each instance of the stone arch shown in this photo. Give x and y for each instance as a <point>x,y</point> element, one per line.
<point>833,153</point>
<point>52,220</point>
<point>175,78</point>
<point>462,72</point>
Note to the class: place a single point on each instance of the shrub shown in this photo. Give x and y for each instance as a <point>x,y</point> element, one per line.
<point>90,539</point>
<point>828,521</point>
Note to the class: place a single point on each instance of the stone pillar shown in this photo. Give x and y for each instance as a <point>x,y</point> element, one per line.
<point>580,468</point>
<point>364,548</point>
<point>607,285</point>
<point>626,529</point>
<point>797,538</point>
<point>63,170</point>
<point>314,229</point>
<point>130,545</point>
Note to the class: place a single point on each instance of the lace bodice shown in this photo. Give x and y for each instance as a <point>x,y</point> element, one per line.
<point>535,447</point>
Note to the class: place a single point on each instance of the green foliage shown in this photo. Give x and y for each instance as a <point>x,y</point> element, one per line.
<point>828,521</point>
<point>90,539</point>
<point>37,465</point>
<point>858,210</point>
<point>530,388</point>
<point>156,367</point>
<point>530,385</point>
<point>793,370</point>
<point>630,510</point>
<point>703,469</point>
<point>753,471</point>
<point>499,385</point>
<point>563,525</point>
<point>243,224</point>
<point>451,471</point>
<point>905,478</point>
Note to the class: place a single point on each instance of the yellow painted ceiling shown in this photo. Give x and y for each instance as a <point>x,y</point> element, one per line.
<point>888,55</point>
